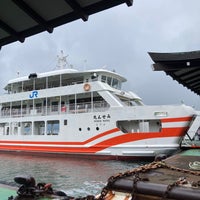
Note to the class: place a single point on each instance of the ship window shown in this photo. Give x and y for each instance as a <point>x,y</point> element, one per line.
<point>139,126</point>
<point>4,128</point>
<point>7,130</point>
<point>28,85</point>
<point>115,83</point>
<point>94,77</point>
<point>54,107</point>
<point>40,83</point>
<point>53,127</point>
<point>39,128</point>
<point>14,128</point>
<point>109,80</point>
<point>5,111</point>
<point>65,122</point>
<point>26,128</point>
<point>38,107</point>
<point>54,81</point>
<point>103,79</point>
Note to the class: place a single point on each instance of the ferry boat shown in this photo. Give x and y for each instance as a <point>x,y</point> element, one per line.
<point>86,113</point>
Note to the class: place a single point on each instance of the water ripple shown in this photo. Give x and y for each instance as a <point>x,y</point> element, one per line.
<point>77,177</point>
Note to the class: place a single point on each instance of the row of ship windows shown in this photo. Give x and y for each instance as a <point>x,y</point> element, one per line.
<point>58,81</point>
<point>37,127</point>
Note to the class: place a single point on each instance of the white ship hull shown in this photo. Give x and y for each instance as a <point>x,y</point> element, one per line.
<point>87,114</point>
<point>86,135</point>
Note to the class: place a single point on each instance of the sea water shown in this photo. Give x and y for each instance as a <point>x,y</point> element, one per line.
<point>76,177</point>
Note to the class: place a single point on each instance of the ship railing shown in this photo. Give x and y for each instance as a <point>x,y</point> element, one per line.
<point>85,107</point>
<point>100,106</point>
<point>131,103</point>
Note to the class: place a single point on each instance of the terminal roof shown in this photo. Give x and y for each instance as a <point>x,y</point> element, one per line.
<point>23,18</point>
<point>183,67</point>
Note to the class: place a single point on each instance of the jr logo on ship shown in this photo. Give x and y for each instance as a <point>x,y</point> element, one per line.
<point>34,94</point>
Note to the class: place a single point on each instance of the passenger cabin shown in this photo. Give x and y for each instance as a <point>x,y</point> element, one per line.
<point>64,91</point>
<point>62,78</point>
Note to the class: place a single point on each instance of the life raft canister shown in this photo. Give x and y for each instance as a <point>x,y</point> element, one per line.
<point>87,87</point>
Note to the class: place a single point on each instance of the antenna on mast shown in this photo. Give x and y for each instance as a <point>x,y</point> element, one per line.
<point>62,61</point>
<point>18,73</point>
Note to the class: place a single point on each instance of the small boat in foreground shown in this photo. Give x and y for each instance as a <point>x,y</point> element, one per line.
<point>28,189</point>
<point>86,113</point>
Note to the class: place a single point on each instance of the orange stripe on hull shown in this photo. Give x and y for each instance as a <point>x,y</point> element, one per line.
<point>64,143</point>
<point>124,138</point>
<point>131,137</point>
<point>166,120</point>
<point>180,119</point>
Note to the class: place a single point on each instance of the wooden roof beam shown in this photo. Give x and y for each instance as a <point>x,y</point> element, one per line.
<point>129,2</point>
<point>11,31</point>
<point>163,67</point>
<point>35,16</point>
<point>78,9</point>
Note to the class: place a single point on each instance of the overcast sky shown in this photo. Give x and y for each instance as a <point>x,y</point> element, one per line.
<point>120,39</point>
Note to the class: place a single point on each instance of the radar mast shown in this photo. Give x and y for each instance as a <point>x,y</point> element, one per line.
<point>62,61</point>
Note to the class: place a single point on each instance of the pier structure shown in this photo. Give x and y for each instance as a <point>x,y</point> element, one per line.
<point>21,19</point>
<point>184,67</point>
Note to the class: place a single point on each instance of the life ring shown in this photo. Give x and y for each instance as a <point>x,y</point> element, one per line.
<point>87,87</point>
